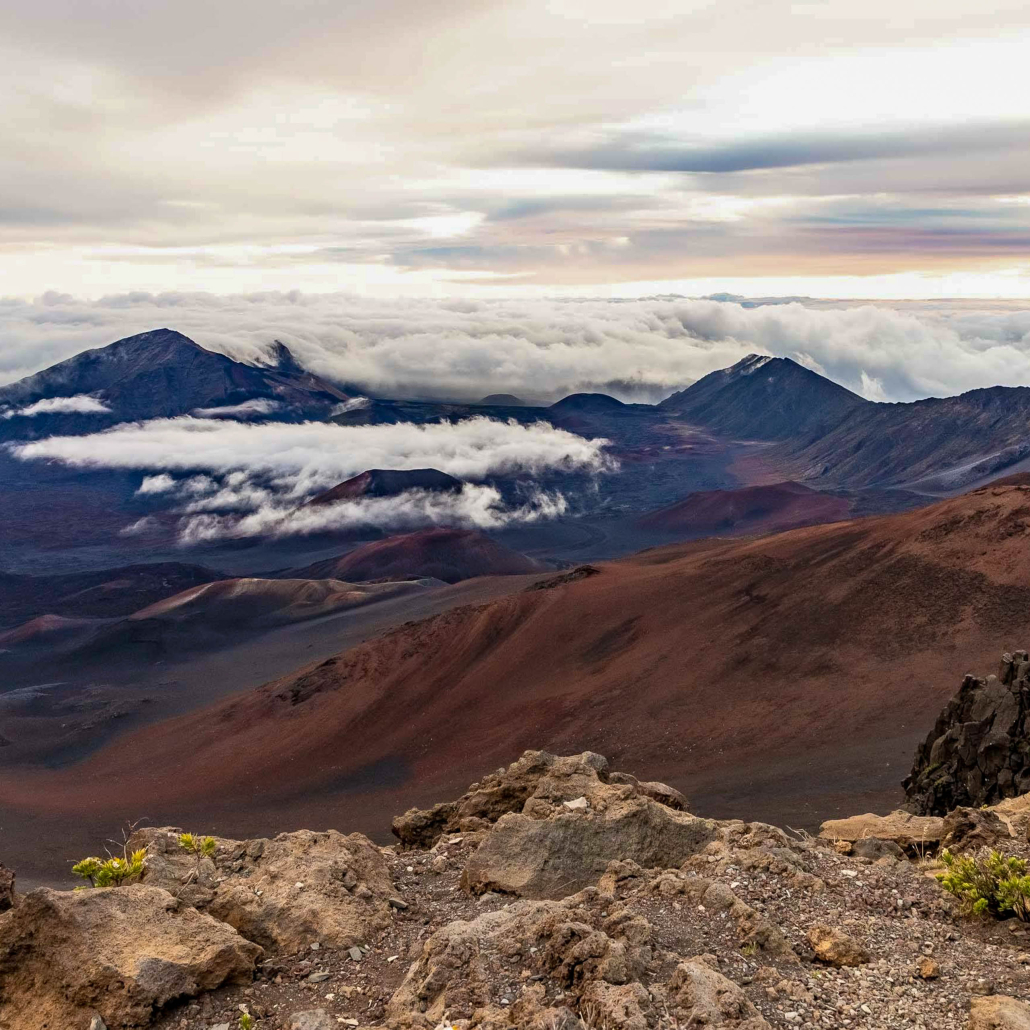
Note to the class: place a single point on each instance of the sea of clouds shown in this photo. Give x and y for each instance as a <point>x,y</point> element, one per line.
<point>542,349</point>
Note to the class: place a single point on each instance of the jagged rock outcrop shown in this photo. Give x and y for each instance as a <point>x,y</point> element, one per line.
<point>6,888</point>
<point>979,750</point>
<point>537,783</point>
<point>283,893</point>
<point>118,953</point>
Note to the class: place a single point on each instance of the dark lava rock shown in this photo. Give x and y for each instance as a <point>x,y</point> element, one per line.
<point>6,888</point>
<point>979,751</point>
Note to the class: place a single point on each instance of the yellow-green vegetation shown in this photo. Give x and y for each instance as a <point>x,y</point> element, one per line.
<point>246,1021</point>
<point>989,883</point>
<point>112,872</point>
<point>200,846</point>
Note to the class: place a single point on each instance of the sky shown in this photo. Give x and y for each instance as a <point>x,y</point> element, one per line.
<point>516,149</point>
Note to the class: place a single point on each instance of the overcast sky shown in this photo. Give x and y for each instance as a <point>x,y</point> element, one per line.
<point>829,148</point>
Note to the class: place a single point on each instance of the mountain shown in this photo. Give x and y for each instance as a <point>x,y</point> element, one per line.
<point>106,593</point>
<point>387,483</point>
<point>764,398</point>
<point>787,678</point>
<point>752,509</point>
<point>159,374</point>
<point>504,400</point>
<point>587,404</point>
<point>944,443</point>
<point>440,553</point>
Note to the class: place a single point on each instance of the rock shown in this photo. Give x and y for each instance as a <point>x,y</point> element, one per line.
<point>118,953</point>
<point>537,783</point>
<point>910,832</point>
<point>974,755</point>
<point>969,829</point>
<point>835,947</point>
<point>252,885</point>
<point>550,858</point>
<point>998,1012</point>
<point>574,942</point>
<point>311,1019</point>
<point>96,1023</point>
<point>706,998</point>
<point>928,968</point>
<point>874,849</point>
<point>6,888</point>
<point>627,1006</point>
<point>356,954</point>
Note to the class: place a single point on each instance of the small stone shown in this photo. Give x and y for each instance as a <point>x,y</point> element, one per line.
<point>356,954</point>
<point>96,1023</point>
<point>835,947</point>
<point>311,1019</point>
<point>928,968</point>
<point>320,977</point>
<point>397,903</point>
<point>579,805</point>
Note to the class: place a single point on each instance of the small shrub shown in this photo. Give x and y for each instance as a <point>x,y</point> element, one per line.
<point>200,848</point>
<point>246,1021</point>
<point>988,883</point>
<point>112,872</point>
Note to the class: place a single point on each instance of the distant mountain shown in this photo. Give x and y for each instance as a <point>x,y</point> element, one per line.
<point>588,404</point>
<point>942,443</point>
<point>387,483</point>
<point>442,553</point>
<point>504,400</point>
<point>153,375</point>
<point>752,509</point>
<point>105,593</point>
<point>764,398</point>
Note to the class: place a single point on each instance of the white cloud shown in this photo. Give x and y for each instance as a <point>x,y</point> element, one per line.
<point>80,404</point>
<point>160,484</point>
<point>475,505</point>
<point>300,459</point>
<point>540,349</point>
<point>248,409</point>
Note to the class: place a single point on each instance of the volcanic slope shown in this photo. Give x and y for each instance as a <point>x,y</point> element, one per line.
<point>387,483</point>
<point>441,553</point>
<point>790,676</point>
<point>752,509</point>
<point>160,374</point>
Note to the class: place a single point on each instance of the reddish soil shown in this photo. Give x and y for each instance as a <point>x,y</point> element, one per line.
<point>446,554</point>
<point>788,677</point>
<point>753,510</point>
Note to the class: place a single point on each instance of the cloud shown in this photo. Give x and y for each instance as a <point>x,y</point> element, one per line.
<point>159,484</point>
<point>248,409</point>
<point>542,349</point>
<point>80,404</point>
<point>474,505</point>
<point>301,459</point>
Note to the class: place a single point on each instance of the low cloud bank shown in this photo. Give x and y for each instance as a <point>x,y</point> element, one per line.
<point>80,404</point>
<point>543,349</point>
<point>248,409</point>
<point>252,480</point>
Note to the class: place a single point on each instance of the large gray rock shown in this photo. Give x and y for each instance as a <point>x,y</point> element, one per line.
<point>120,953</point>
<point>977,752</point>
<point>552,857</point>
<point>284,893</point>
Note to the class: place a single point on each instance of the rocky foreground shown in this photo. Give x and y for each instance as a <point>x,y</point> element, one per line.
<point>554,895</point>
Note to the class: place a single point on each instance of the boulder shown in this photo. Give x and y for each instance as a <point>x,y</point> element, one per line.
<point>970,829</point>
<point>284,893</point>
<point>119,953</point>
<point>6,888</point>
<point>573,943</point>
<point>536,784</point>
<point>706,998</point>
<point>312,1019</point>
<point>835,947</point>
<point>534,857</point>
<point>976,754</point>
<point>998,1012</point>
<point>912,833</point>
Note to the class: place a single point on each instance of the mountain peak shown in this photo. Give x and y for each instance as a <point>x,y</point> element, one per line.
<point>766,398</point>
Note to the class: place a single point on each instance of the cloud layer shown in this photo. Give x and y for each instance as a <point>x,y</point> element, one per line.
<point>80,404</point>
<point>544,348</point>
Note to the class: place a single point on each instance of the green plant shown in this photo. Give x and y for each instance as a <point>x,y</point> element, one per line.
<point>246,1021</point>
<point>988,883</point>
<point>200,848</point>
<point>112,872</point>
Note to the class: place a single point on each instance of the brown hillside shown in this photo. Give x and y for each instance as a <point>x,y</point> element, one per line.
<point>790,676</point>
<point>752,509</point>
